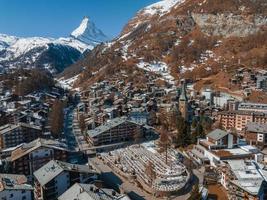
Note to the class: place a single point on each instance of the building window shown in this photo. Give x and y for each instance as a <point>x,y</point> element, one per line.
<point>23,198</point>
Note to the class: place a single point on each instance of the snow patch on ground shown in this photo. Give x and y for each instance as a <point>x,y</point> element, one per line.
<point>205,56</point>
<point>177,42</point>
<point>184,69</point>
<point>158,68</point>
<point>124,50</point>
<point>67,83</point>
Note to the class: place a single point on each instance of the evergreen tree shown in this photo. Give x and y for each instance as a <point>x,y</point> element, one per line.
<point>195,193</point>
<point>183,133</point>
<point>199,132</point>
<point>194,123</point>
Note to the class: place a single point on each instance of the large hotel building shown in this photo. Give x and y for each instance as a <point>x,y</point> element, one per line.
<point>238,119</point>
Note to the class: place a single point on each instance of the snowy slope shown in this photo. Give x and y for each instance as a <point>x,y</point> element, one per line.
<point>161,7</point>
<point>6,40</point>
<point>88,33</point>
<point>49,52</point>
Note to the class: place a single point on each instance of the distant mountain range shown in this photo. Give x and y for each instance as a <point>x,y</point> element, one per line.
<point>49,53</point>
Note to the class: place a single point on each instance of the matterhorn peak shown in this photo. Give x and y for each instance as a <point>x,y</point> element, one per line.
<point>87,32</point>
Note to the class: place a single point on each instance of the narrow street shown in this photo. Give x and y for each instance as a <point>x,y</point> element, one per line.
<point>68,130</point>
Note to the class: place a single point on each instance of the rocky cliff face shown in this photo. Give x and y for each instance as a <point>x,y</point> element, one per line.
<point>229,25</point>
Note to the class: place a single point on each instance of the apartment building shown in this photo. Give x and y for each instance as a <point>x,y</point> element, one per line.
<point>256,107</point>
<point>55,177</point>
<point>238,119</point>
<point>31,156</point>
<point>15,187</point>
<point>115,131</point>
<point>12,135</point>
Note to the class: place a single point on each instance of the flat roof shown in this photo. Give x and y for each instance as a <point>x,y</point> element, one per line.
<point>247,175</point>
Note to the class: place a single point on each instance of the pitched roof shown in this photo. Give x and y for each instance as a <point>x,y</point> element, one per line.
<point>105,127</point>
<point>54,167</point>
<point>91,192</point>
<point>256,127</point>
<point>29,147</point>
<point>9,127</point>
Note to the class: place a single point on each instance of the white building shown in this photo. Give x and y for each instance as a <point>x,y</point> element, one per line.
<point>244,180</point>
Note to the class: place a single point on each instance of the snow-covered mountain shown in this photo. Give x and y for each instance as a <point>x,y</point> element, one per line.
<point>88,33</point>
<point>50,53</point>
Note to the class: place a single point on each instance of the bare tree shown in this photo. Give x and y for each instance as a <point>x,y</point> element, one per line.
<point>56,118</point>
<point>82,123</point>
<point>137,135</point>
<point>150,171</point>
<point>164,142</point>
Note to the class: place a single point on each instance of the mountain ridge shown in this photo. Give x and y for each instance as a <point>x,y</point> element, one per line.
<point>30,52</point>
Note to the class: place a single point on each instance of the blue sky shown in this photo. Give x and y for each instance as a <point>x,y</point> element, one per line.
<point>57,18</point>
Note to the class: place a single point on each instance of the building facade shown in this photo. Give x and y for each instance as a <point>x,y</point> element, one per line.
<point>239,119</point>
<point>12,135</point>
<point>115,131</point>
<point>54,178</point>
<point>31,156</point>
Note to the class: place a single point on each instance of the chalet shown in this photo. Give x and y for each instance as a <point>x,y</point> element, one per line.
<point>31,156</point>
<point>55,177</point>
